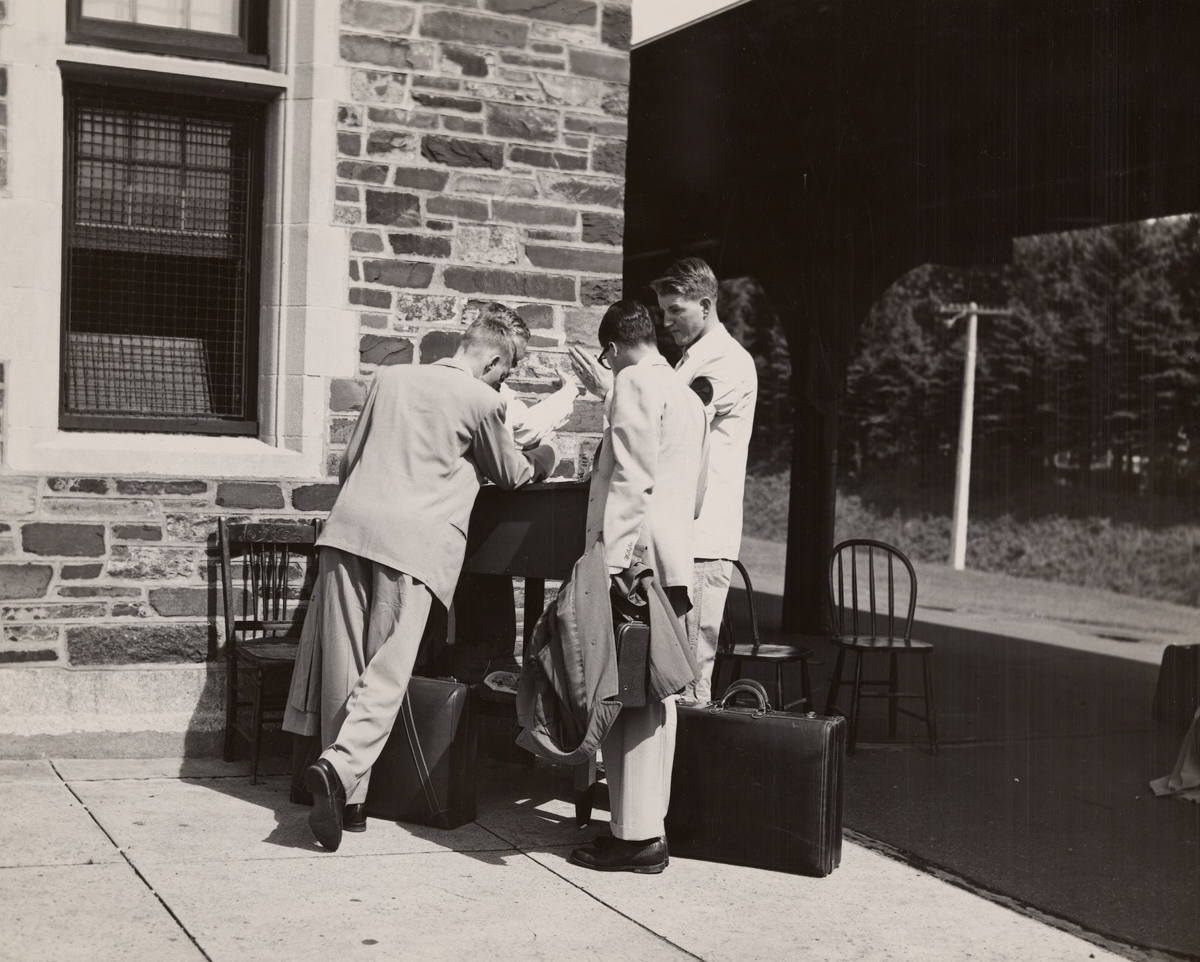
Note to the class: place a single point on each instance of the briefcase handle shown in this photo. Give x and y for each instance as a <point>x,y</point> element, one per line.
<point>747,686</point>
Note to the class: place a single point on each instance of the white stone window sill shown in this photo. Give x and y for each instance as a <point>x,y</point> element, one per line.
<point>187,455</point>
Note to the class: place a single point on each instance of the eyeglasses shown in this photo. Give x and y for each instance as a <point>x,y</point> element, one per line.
<point>603,357</point>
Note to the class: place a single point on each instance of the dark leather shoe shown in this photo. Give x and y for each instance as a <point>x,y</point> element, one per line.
<point>354,818</point>
<point>605,841</point>
<point>618,855</point>
<point>329,803</point>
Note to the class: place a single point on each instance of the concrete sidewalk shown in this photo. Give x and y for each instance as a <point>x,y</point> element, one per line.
<point>160,860</point>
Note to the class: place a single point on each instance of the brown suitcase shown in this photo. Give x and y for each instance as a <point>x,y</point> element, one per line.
<point>757,787</point>
<point>426,771</point>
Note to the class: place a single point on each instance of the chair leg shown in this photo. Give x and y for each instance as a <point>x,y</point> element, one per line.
<point>585,792</point>
<point>230,708</point>
<point>257,726</point>
<point>715,681</point>
<point>930,705</point>
<point>893,707</point>
<point>779,702</point>
<point>852,738</point>
<point>737,670</point>
<point>835,682</point>
<point>806,686</point>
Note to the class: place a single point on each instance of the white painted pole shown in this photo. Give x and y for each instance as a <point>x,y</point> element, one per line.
<point>962,473</point>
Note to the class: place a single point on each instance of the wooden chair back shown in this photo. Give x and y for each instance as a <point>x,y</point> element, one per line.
<point>268,586</point>
<point>864,572</point>
<point>726,635</point>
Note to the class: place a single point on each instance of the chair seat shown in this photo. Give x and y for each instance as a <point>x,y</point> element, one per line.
<point>766,652</point>
<point>265,654</point>
<point>874,643</point>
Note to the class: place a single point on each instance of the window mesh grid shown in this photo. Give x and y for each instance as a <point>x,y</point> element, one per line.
<point>159,259</point>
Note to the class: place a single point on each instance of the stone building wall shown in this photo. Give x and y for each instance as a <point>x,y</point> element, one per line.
<point>480,157</point>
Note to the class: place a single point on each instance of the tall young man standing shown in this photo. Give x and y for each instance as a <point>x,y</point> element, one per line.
<point>723,374</point>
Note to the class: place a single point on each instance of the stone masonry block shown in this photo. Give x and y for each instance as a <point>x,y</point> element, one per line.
<point>384,52</point>
<point>574,259</point>
<point>575,12</point>
<point>349,144</point>
<point>600,291</point>
<point>602,66</point>
<point>146,563</point>
<point>422,245</point>
<point>461,125</point>
<point>616,26</point>
<point>17,496</point>
<point>496,185</point>
<point>314,497</point>
<point>73,611</point>
<point>376,349</point>
<point>443,102</point>
<point>537,316</point>
<point>398,273</point>
<point>582,326</point>
<point>391,144</point>
<point>67,540</point>
<point>80,572</point>
<point>137,532</point>
<point>469,62</point>
<point>591,193</point>
<point>78,485</point>
<point>422,309</point>
<point>110,509</point>
<point>420,178</point>
<point>366,242</point>
<point>346,394</point>
<point>459,207</point>
<point>608,156</point>
<point>588,417</point>
<point>365,297</point>
<point>140,643</point>
<point>31,634</point>
<point>472,28</point>
<point>533,214</point>
<point>604,126</point>
<point>517,122</point>
<point>371,85</point>
<point>182,602</point>
<point>603,228</point>
<point>19,656</point>
<point>249,494</point>
<point>367,173</point>
<point>388,17</point>
<point>550,287</point>
<point>393,208</point>
<point>24,580</point>
<point>162,487</point>
<point>439,344</point>
<point>454,152</point>
<point>97,591</point>
<point>488,244</point>
<point>554,159</point>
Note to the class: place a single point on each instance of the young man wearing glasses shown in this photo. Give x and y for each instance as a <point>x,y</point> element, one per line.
<point>646,490</point>
<point>724,376</point>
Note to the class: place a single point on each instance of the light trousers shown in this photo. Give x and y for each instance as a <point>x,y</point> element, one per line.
<point>372,620</point>
<point>710,588</point>
<point>639,751</point>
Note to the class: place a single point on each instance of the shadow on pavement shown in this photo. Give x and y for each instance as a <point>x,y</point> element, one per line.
<point>1040,791</point>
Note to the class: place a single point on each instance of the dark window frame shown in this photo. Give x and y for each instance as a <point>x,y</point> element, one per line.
<point>151,89</point>
<point>248,47</point>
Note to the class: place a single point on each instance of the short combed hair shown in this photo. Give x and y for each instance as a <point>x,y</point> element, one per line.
<point>627,322</point>
<point>691,278</point>
<point>500,327</point>
<point>506,315</point>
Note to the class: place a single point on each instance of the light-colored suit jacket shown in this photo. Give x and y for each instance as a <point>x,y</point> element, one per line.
<point>427,437</point>
<point>648,481</point>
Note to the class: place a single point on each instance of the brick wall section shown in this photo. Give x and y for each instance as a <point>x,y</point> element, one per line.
<point>98,571</point>
<point>481,157</point>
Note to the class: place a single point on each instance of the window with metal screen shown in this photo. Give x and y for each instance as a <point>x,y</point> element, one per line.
<point>161,262</point>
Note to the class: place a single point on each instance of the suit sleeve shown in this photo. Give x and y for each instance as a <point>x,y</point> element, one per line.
<point>358,436</point>
<point>636,429</point>
<point>702,477</point>
<point>496,455</point>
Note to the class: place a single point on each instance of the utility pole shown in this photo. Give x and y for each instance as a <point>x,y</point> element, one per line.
<point>962,469</point>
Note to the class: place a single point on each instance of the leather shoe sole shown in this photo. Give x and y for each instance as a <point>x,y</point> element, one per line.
<point>329,803</point>
<point>607,841</point>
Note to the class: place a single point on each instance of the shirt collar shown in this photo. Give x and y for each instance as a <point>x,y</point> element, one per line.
<point>708,344</point>
<point>455,363</point>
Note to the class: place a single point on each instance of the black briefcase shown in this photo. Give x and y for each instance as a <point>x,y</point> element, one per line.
<point>757,787</point>
<point>426,772</point>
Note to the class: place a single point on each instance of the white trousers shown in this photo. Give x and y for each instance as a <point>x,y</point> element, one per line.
<point>710,588</point>
<point>639,751</point>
